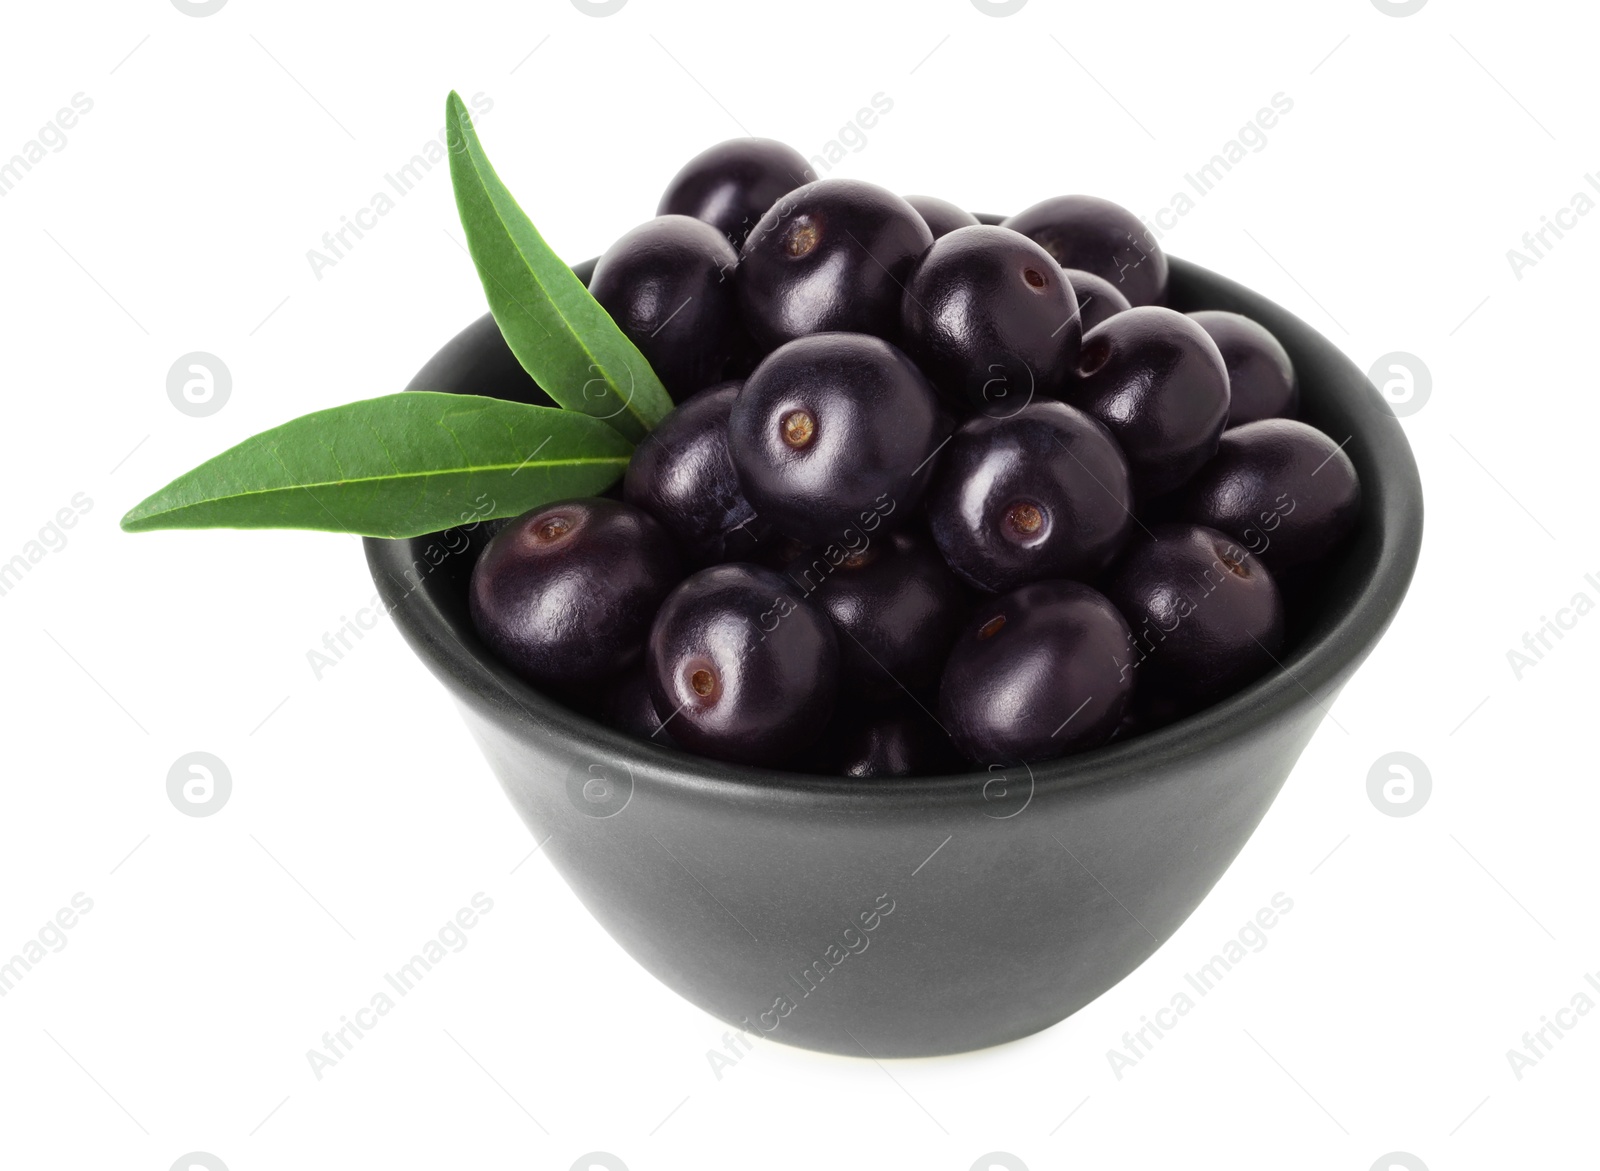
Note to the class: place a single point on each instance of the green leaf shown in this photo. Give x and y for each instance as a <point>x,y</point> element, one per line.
<point>562,336</point>
<point>397,466</point>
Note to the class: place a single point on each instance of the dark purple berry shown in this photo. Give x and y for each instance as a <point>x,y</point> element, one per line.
<point>681,474</point>
<point>1098,298</point>
<point>731,185</point>
<point>1151,710</point>
<point>669,285</point>
<point>901,740</point>
<point>1261,378</point>
<point>1281,488</point>
<point>625,705</point>
<point>1035,674</point>
<point>741,667</point>
<point>896,606</point>
<point>833,435</point>
<point>941,216</point>
<point>1206,616</point>
<point>1100,237</point>
<point>990,319</point>
<point>1042,493</point>
<point>832,255</point>
<point>779,552</point>
<point>564,594</point>
<point>1156,380</point>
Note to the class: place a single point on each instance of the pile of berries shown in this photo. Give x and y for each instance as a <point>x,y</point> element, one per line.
<point>936,495</point>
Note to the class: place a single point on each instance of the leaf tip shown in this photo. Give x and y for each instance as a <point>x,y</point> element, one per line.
<point>149,514</point>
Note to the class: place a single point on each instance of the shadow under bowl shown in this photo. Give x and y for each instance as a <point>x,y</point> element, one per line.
<point>925,915</point>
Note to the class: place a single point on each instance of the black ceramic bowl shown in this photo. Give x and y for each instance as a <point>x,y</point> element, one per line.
<point>928,915</point>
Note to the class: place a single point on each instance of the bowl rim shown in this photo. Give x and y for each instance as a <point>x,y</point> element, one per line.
<point>1312,670</point>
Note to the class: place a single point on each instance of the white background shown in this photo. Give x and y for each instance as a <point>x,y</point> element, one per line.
<point>177,218</point>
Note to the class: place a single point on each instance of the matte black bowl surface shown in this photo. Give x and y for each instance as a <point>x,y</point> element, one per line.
<point>927,915</point>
